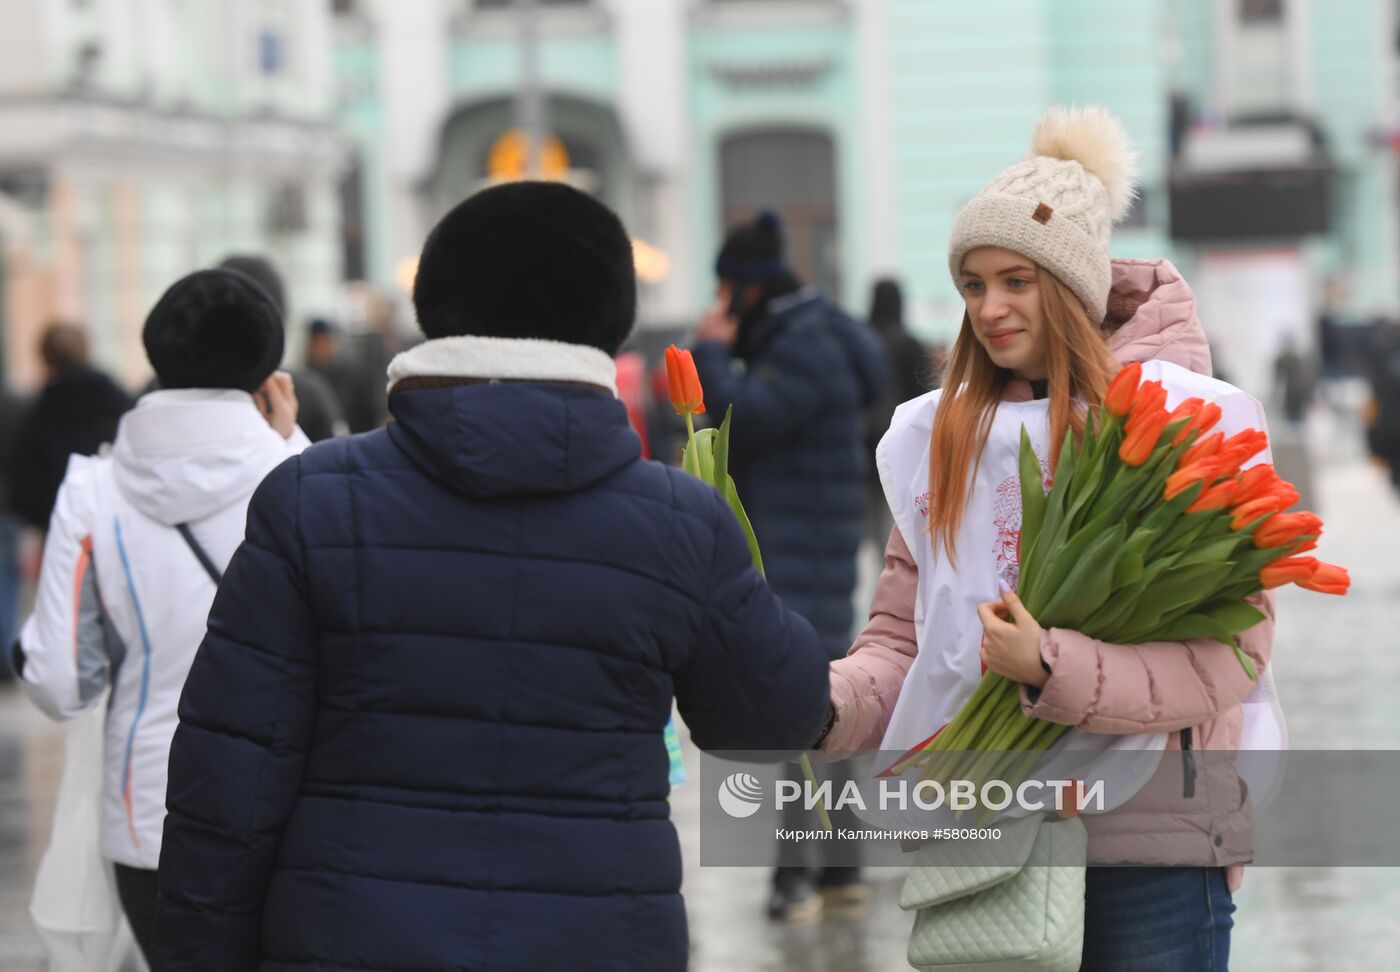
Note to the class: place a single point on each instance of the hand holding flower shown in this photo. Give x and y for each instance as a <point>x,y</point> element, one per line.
<point>1011,641</point>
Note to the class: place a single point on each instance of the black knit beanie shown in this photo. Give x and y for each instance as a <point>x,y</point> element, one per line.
<point>753,252</point>
<point>528,260</point>
<point>214,329</point>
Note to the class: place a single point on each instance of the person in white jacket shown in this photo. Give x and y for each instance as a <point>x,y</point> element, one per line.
<point>139,537</point>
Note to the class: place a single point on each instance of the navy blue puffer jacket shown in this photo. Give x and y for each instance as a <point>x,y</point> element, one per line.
<point>424,730</point>
<point>797,449</point>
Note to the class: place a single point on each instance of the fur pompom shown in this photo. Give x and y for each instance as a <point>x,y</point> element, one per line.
<point>1096,139</point>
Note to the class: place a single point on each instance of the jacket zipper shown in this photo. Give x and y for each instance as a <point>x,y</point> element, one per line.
<point>1188,765</point>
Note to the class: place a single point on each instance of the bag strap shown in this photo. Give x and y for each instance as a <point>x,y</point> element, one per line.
<point>199,553</point>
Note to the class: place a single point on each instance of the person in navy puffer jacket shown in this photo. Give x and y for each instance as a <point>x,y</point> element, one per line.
<point>798,458</point>
<point>424,730</point>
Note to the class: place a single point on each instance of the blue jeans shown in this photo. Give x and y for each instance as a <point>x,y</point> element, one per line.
<point>1157,919</point>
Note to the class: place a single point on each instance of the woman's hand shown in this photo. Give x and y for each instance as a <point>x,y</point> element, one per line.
<point>1011,641</point>
<point>717,325</point>
<point>277,400</point>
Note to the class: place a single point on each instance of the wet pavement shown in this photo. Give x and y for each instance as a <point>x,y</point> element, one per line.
<point>1337,666</point>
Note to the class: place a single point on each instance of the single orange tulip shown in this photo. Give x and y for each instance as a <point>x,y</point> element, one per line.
<point>1256,481</point>
<point>1281,498</point>
<point>1289,570</point>
<point>1142,438</point>
<point>1119,397</point>
<point>1327,579</point>
<point>1239,449</point>
<point>1217,497</point>
<point>1282,529</point>
<point>1149,401</point>
<point>1204,421</point>
<point>687,397</point>
<point>1204,449</point>
<point>1188,409</point>
<point>1187,476</point>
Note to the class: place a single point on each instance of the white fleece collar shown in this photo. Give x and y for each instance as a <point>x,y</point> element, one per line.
<point>517,359</point>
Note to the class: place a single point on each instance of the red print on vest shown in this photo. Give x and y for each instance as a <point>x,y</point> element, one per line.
<point>1006,517</point>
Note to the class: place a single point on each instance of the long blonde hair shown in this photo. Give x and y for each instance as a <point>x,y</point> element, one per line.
<point>1078,369</point>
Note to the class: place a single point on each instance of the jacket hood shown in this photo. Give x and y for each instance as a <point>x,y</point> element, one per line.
<point>1156,312</point>
<point>513,438</point>
<point>182,455</point>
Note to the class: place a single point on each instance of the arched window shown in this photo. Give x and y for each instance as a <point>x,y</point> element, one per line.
<point>793,172</point>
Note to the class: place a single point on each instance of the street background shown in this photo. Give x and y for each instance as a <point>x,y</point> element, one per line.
<point>141,139</point>
<point>1336,666</point>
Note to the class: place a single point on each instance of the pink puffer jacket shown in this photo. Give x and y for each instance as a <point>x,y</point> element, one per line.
<point>1191,690</point>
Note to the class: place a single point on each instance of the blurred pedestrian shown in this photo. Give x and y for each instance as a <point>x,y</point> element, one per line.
<point>425,729</point>
<point>319,414</point>
<point>1295,380</point>
<point>797,454</point>
<point>12,409</point>
<point>76,412</point>
<point>911,374</point>
<point>138,541</point>
<point>326,356</point>
<point>1049,318</point>
<point>1383,433</point>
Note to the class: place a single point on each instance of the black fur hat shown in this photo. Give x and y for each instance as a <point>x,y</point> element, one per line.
<point>753,252</point>
<point>529,260</point>
<point>214,329</point>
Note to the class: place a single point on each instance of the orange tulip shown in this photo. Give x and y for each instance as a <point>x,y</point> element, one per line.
<point>1289,570</point>
<point>1256,481</point>
<point>1240,448</point>
<point>1187,476</point>
<point>1119,397</point>
<point>1284,528</point>
<point>687,397</point>
<point>1204,449</point>
<point>1148,403</point>
<point>1277,501</point>
<point>1203,422</point>
<point>1327,579</point>
<point>1217,497</point>
<point>1188,409</point>
<point>1142,438</point>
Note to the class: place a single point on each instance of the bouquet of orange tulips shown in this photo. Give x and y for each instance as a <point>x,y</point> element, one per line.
<point>706,457</point>
<point>1151,532</point>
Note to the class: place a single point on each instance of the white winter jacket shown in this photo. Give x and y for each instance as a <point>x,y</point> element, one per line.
<point>123,599</point>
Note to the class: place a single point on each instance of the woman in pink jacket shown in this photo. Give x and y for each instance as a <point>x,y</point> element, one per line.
<point>1030,256</point>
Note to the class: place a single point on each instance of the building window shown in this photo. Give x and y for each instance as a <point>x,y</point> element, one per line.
<point>793,172</point>
<point>503,4</point>
<point>271,59</point>
<point>1261,12</point>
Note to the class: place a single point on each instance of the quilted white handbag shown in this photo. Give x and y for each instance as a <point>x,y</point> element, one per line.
<point>1017,906</point>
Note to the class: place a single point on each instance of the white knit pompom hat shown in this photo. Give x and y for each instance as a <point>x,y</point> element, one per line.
<point>1057,205</point>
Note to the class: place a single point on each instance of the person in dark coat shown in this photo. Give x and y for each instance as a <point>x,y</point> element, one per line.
<point>12,411</point>
<point>1383,434</point>
<point>797,454</point>
<point>319,414</point>
<point>911,375</point>
<point>76,412</point>
<point>424,730</point>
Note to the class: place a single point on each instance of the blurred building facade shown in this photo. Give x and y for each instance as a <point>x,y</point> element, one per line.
<point>1267,167</point>
<point>146,138</point>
